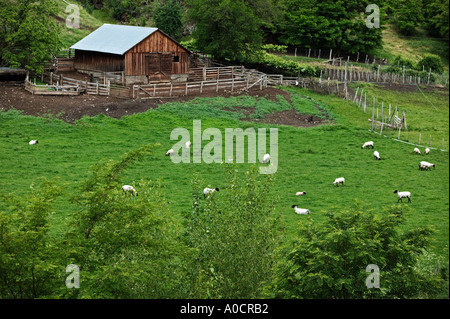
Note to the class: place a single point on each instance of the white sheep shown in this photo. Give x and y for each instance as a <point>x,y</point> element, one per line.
<point>129,188</point>
<point>417,151</point>
<point>266,158</point>
<point>426,165</point>
<point>301,211</point>
<point>402,195</point>
<point>209,191</point>
<point>188,144</point>
<point>170,152</point>
<point>367,144</point>
<point>300,193</point>
<point>377,155</point>
<point>338,181</point>
<point>427,151</point>
<point>32,142</point>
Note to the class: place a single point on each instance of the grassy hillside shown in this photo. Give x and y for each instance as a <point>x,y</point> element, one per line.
<point>309,159</point>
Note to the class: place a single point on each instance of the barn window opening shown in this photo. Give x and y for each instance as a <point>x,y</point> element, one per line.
<point>176,58</point>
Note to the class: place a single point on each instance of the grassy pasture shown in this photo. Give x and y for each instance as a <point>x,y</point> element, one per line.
<point>309,158</point>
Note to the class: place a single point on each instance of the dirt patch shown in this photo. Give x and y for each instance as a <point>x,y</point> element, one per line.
<point>291,118</point>
<point>72,108</point>
<point>409,87</point>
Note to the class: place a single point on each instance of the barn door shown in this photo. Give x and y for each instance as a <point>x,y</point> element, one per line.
<point>159,66</point>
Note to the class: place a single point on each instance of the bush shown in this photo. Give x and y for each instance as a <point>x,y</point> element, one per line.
<point>274,48</point>
<point>431,61</point>
<point>235,234</point>
<point>330,260</point>
<point>291,67</point>
<point>400,62</point>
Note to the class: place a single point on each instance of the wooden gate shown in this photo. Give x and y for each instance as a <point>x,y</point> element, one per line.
<point>159,66</point>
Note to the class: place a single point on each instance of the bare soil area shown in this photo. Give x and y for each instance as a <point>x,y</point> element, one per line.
<point>72,108</point>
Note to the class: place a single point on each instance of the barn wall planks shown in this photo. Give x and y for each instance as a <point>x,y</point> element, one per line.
<point>87,60</point>
<point>137,58</point>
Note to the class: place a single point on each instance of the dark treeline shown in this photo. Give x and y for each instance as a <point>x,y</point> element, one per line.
<point>227,29</point>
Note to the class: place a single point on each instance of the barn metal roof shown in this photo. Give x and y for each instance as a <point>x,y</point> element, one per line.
<point>113,38</point>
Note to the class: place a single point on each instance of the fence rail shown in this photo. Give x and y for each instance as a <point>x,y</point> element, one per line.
<point>38,89</point>
<point>189,88</point>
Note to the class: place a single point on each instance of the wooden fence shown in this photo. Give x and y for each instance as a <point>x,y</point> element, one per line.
<point>191,88</point>
<point>215,73</point>
<point>46,89</point>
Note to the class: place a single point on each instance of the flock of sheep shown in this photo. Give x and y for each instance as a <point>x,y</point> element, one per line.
<point>424,165</point>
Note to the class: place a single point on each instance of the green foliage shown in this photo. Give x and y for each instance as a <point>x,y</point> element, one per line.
<point>190,45</point>
<point>216,32</point>
<point>290,67</point>
<point>30,258</point>
<point>274,48</point>
<point>407,16</point>
<point>125,245</point>
<point>168,18</point>
<point>329,24</point>
<point>330,260</point>
<point>431,61</point>
<point>436,13</point>
<point>27,35</point>
<point>236,233</point>
<point>401,62</point>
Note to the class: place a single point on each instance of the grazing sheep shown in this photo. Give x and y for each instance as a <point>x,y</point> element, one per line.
<point>300,193</point>
<point>417,151</point>
<point>170,152</point>
<point>427,151</point>
<point>129,188</point>
<point>209,191</point>
<point>402,195</point>
<point>301,211</point>
<point>377,155</point>
<point>367,144</point>
<point>338,181</point>
<point>266,158</point>
<point>32,142</point>
<point>426,166</point>
<point>188,144</point>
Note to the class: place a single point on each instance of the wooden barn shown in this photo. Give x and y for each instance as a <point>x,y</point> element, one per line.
<point>143,54</point>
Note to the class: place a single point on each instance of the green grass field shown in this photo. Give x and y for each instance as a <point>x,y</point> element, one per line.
<point>309,158</point>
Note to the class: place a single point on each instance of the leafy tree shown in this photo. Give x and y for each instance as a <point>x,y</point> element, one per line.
<point>329,24</point>
<point>125,246</point>
<point>436,17</point>
<point>226,28</point>
<point>168,17</point>
<point>27,35</point>
<point>235,233</point>
<point>330,260</point>
<point>29,256</point>
<point>407,16</point>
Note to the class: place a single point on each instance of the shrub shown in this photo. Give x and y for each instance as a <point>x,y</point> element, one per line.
<point>235,234</point>
<point>274,48</point>
<point>330,260</point>
<point>431,61</point>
